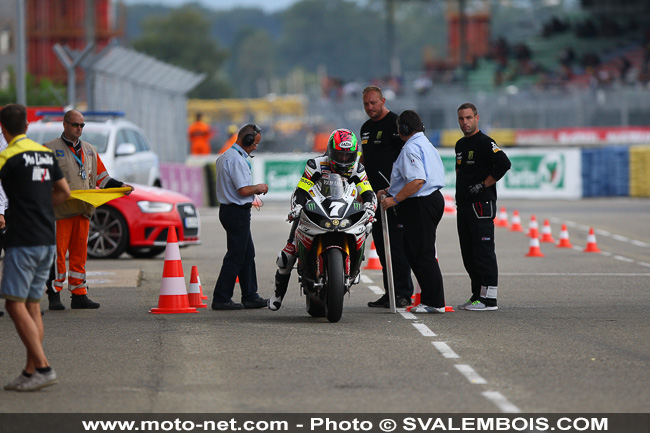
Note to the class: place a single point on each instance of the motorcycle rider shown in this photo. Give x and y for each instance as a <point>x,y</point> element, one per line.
<point>342,157</point>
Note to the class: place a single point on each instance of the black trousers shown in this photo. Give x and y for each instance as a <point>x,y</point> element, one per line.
<point>475,223</point>
<point>421,216</point>
<point>402,281</point>
<point>240,257</point>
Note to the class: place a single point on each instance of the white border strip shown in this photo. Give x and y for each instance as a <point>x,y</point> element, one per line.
<point>424,330</point>
<point>470,374</point>
<point>444,349</point>
<point>501,402</point>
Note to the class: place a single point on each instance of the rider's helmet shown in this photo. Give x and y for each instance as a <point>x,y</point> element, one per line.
<point>342,150</point>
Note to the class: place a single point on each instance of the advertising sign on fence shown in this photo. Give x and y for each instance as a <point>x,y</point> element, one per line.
<point>549,173</point>
<point>280,171</point>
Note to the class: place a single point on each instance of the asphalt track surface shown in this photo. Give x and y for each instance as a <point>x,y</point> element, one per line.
<point>571,334</point>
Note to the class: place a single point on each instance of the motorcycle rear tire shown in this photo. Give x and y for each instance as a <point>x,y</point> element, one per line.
<point>335,284</point>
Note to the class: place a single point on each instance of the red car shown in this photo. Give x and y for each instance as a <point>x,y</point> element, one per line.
<point>138,223</point>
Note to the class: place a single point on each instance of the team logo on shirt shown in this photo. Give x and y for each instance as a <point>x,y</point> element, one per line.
<point>40,174</point>
<point>379,135</point>
<point>470,154</point>
<point>495,148</point>
<point>59,153</point>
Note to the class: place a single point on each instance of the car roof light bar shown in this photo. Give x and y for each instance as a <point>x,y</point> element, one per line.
<point>94,115</point>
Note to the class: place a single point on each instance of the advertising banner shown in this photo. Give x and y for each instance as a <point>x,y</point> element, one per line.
<point>583,136</point>
<point>552,173</point>
<point>281,171</point>
<point>548,173</point>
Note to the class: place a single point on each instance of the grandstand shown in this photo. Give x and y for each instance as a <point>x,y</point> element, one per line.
<point>591,36</point>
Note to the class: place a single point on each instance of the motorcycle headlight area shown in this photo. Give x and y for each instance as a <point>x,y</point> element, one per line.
<point>335,223</point>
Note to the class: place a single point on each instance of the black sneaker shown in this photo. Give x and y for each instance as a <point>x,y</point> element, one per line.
<point>230,305</point>
<point>402,302</point>
<point>54,300</point>
<point>82,302</point>
<point>255,303</point>
<point>382,302</point>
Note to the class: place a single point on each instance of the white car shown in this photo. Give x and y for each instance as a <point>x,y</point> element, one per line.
<point>122,145</point>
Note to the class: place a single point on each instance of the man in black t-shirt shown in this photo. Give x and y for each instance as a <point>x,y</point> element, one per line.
<point>33,182</point>
<point>480,163</point>
<point>381,145</point>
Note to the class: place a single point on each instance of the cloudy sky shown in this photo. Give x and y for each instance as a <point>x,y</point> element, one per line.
<point>267,5</point>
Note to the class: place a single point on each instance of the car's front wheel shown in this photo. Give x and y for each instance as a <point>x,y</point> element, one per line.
<point>109,235</point>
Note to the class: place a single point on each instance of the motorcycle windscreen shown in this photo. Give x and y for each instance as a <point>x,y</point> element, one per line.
<point>332,186</point>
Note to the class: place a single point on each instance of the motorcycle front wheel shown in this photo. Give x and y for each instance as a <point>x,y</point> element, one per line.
<point>335,284</point>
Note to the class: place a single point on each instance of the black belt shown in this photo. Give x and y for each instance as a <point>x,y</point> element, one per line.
<point>243,206</point>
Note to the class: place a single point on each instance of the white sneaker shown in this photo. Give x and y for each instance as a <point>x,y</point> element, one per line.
<point>11,386</point>
<point>38,381</point>
<point>275,302</point>
<point>464,305</point>
<point>480,306</point>
<point>421,308</point>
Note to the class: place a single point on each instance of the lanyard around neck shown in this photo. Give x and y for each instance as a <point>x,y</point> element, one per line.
<point>245,158</point>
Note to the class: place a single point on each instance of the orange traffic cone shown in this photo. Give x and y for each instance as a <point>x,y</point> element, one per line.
<point>450,205</point>
<point>516,222</point>
<point>373,259</point>
<point>416,298</point>
<point>198,277</point>
<point>547,236</point>
<point>173,297</point>
<point>194,293</point>
<point>502,218</point>
<point>534,250</point>
<point>533,227</point>
<point>591,242</point>
<point>564,238</point>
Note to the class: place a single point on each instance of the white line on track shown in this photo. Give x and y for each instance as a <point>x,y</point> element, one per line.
<point>445,350</point>
<point>424,330</point>
<point>467,371</point>
<point>407,315</point>
<point>376,289</point>
<point>563,274</point>
<point>470,374</point>
<point>366,279</point>
<point>501,402</point>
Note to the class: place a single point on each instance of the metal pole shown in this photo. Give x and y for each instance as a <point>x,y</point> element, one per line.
<point>70,62</point>
<point>389,261</point>
<point>21,54</point>
<point>90,39</point>
<point>391,47</point>
<point>462,39</point>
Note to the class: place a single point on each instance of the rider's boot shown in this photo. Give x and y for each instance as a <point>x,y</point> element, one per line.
<point>281,284</point>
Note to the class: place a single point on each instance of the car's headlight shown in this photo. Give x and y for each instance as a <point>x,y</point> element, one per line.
<point>155,206</point>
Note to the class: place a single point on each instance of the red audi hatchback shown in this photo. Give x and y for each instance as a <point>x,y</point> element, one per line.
<point>138,223</point>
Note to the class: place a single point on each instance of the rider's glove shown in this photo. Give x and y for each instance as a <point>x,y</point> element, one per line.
<point>370,210</point>
<point>295,212</point>
<point>477,189</point>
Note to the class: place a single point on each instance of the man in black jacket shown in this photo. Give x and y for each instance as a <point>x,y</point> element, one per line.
<point>381,144</point>
<point>480,163</point>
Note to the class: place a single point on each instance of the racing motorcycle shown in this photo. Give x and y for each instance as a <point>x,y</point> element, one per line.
<point>331,236</point>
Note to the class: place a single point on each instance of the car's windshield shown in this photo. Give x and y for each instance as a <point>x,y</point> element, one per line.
<point>98,138</point>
